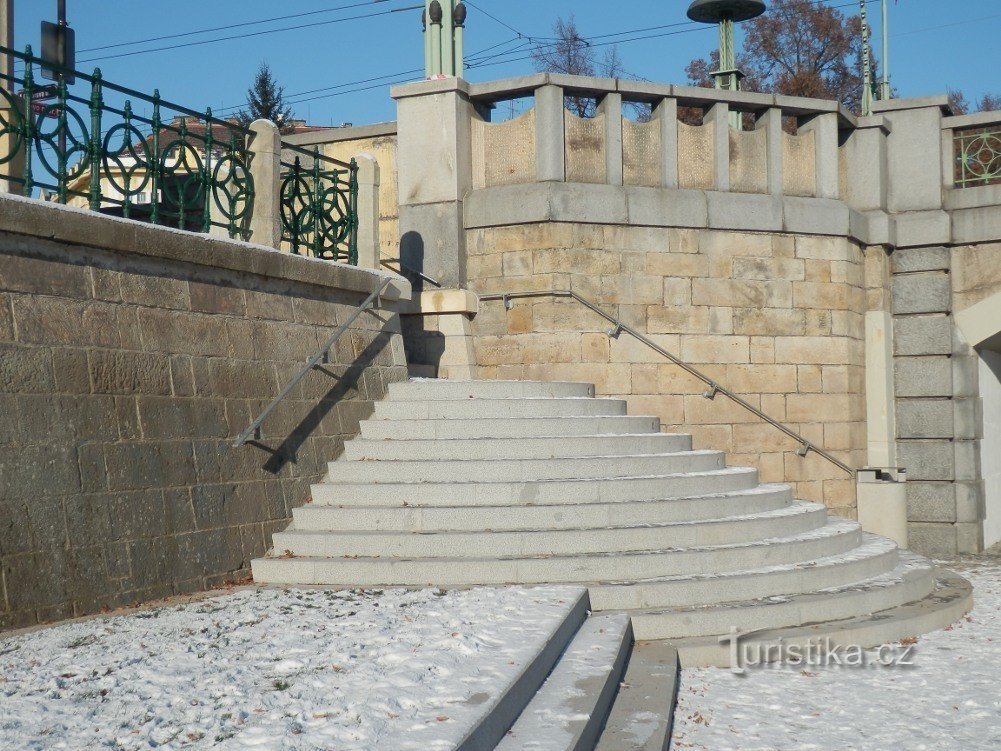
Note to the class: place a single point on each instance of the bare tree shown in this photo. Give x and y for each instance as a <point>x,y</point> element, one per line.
<point>960,105</point>
<point>571,53</point>
<point>800,49</point>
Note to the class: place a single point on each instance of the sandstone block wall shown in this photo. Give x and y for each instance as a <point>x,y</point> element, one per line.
<point>124,378</point>
<point>777,318</point>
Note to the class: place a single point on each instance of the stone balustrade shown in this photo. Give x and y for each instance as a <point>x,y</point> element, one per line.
<point>686,141</point>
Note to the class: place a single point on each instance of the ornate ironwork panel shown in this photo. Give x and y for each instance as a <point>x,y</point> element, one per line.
<point>978,156</point>
<point>319,206</point>
<point>187,170</point>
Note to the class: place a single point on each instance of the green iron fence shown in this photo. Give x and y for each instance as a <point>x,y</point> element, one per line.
<point>85,144</point>
<point>319,205</point>
<point>174,166</point>
<point>978,156</point>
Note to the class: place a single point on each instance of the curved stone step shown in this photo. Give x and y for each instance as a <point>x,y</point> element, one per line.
<point>360,449</point>
<point>950,598</point>
<point>792,520</point>
<point>875,557</point>
<point>696,508</point>
<point>911,580</point>
<point>522,470</point>
<point>523,427</point>
<point>569,711</point>
<point>597,490</point>
<point>417,389</point>
<point>496,409</point>
<point>838,536</point>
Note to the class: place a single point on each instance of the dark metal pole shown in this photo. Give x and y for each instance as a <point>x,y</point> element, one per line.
<point>61,20</point>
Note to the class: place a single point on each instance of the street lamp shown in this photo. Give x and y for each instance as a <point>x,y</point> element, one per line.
<point>444,22</point>
<point>726,13</point>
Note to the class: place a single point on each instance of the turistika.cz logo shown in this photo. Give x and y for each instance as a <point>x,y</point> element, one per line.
<point>749,649</point>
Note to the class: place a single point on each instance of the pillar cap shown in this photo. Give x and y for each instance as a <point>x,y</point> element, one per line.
<point>714,11</point>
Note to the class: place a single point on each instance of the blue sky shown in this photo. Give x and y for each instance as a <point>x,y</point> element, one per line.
<point>934,44</point>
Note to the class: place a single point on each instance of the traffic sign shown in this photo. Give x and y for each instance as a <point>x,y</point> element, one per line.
<point>39,107</point>
<point>42,93</point>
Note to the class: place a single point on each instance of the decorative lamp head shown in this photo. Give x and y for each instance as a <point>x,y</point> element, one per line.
<point>715,11</point>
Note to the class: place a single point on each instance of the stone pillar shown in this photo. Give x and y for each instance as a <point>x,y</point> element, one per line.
<point>13,166</point>
<point>866,165</point>
<point>667,114</point>
<point>434,173</point>
<point>7,40</point>
<point>915,176</point>
<point>368,211</point>
<point>770,121</point>
<point>611,108</point>
<point>879,397</point>
<point>825,135</point>
<point>938,420</point>
<point>437,333</point>
<point>550,135</point>
<point>719,116</point>
<point>265,150</point>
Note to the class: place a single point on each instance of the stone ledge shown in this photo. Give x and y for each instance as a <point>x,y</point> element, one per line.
<point>443,302</point>
<point>531,203</point>
<point>50,221</point>
<point>337,135</point>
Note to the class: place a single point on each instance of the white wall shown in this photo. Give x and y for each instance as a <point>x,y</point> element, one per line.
<point>990,446</point>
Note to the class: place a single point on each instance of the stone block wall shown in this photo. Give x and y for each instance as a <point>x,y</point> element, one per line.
<point>937,405</point>
<point>777,318</point>
<point>130,358</point>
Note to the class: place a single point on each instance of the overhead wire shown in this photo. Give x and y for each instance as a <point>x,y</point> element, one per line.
<point>252,34</point>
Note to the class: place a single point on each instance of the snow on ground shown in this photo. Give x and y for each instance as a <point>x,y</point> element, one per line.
<point>950,699</point>
<point>266,669</point>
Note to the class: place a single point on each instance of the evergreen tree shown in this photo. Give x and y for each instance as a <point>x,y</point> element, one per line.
<point>266,101</point>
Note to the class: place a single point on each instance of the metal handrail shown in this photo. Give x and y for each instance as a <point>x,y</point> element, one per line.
<point>715,387</point>
<point>255,430</point>
<point>408,269</point>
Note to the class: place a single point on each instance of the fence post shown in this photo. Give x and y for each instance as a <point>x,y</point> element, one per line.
<point>825,133</point>
<point>368,211</point>
<point>264,151</point>
<point>550,135</point>
<point>719,116</point>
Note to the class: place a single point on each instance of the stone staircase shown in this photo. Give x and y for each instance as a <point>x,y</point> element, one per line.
<point>455,484</point>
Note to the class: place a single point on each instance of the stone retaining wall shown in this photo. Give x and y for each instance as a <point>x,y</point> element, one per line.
<point>130,357</point>
<point>778,318</point>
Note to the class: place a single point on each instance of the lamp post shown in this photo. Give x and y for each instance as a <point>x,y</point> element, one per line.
<point>443,21</point>
<point>726,13</point>
<point>866,62</point>
<point>884,87</point>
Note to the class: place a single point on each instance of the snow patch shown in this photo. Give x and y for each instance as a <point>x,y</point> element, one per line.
<point>948,700</point>
<point>276,669</point>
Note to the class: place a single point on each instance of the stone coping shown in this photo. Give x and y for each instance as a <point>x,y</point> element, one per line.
<point>443,302</point>
<point>694,96</point>
<point>672,207</point>
<point>337,135</point>
<point>52,221</point>
<point>973,120</point>
<point>941,101</point>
